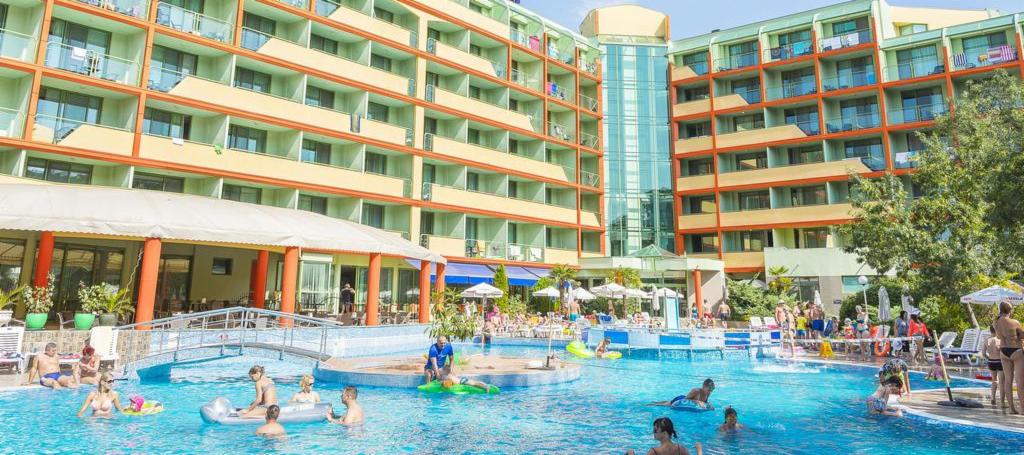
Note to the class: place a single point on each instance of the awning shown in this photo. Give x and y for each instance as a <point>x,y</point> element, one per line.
<point>460,273</point>
<point>124,212</point>
<point>519,276</point>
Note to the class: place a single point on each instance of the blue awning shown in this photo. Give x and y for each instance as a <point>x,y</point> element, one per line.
<point>460,273</point>
<point>540,272</point>
<point>519,276</point>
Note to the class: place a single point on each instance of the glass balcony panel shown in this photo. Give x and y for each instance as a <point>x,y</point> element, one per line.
<point>789,51</point>
<point>189,21</point>
<point>918,112</point>
<point>844,40</point>
<point>978,58</point>
<point>853,122</point>
<point>91,63</point>
<point>848,80</point>
<point>792,89</point>
<point>916,68</point>
<point>736,61</point>
<point>16,45</point>
<point>133,8</point>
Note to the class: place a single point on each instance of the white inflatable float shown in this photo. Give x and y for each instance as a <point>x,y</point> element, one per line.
<point>220,411</point>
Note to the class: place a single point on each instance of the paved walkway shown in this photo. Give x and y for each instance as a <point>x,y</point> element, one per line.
<point>925,404</point>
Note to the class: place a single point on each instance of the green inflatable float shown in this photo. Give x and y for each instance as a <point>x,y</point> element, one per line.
<point>456,389</point>
<point>578,349</point>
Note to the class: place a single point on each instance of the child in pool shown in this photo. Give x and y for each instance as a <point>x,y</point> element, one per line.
<point>664,433</point>
<point>936,373</point>
<point>731,423</point>
<point>878,402</point>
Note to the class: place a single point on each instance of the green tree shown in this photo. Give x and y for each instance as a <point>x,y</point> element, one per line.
<point>447,320</point>
<point>961,226</point>
<point>625,276</point>
<point>501,282</point>
<point>781,284</point>
<point>748,300</point>
<point>562,275</point>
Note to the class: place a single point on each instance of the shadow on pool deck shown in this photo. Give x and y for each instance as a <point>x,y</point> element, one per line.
<point>925,404</point>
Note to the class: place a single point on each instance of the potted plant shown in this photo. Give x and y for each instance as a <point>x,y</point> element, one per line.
<point>90,297</point>
<point>105,299</point>
<point>38,301</point>
<point>9,299</point>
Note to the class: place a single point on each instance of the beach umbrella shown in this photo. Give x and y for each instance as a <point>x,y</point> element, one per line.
<point>482,290</point>
<point>583,294</point>
<point>817,298</point>
<point>884,312</point>
<point>546,292</point>
<point>907,302</point>
<point>610,290</point>
<point>993,295</point>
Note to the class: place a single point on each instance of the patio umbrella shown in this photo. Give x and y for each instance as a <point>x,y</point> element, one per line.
<point>817,298</point>
<point>884,312</point>
<point>993,295</point>
<point>546,292</point>
<point>610,290</point>
<point>908,306</point>
<point>582,294</point>
<point>482,291</point>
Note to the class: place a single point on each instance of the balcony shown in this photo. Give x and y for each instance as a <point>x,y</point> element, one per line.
<point>787,215</point>
<point>561,132</point>
<point>480,154</point>
<point>560,256</point>
<point>559,93</point>
<point>844,40</point>
<point>527,41</point>
<point>446,246</point>
<point>194,23</point>
<point>384,131</point>
<point>749,96</point>
<point>591,179</point>
<point>465,198</point>
<point>698,221</point>
<point>695,182</point>
<point>691,107</point>
<point>82,135</point>
<point>587,67</point>
<point>761,135</point>
<point>331,63</point>
<point>521,78</point>
<point>12,122</point>
<point>850,80</point>
<point>489,249</point>
<point>980,58</point>
<point>853,122</point>
<point>693,144</point>
<point>133,8</point>
<point>689,71</point>
<point>793,172</point>
<point>735,62</point>
<point>826,261</point>
<point>915,69</point>
<point>300,4</point>
<point>591,219</point>
<point>918,113</point>
<point>789,51</point>
<point>17,46</point>
<point>525,253</point>
<point>746,260</point>
<point>91,63</point>
<point>479,108</point>
<point>208,156</point>
<point>462,12</point>
<point>793,89</point>
<point>342,13</point>
<point>466,59</point>
<point>588,103</point>
<point>589,141</point>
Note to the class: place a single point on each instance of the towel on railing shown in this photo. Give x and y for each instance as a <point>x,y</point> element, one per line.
<point>960,60</point>
<point>999,54</point>
<point>78,53</point>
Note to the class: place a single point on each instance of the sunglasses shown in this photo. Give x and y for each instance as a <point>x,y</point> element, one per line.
<point>111,381</point>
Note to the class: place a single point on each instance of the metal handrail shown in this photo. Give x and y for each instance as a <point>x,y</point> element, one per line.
<point>206,315</point>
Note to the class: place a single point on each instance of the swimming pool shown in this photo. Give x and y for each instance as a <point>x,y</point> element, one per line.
<point>802,409</point>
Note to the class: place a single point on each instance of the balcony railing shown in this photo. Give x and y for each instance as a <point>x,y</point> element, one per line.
<point>300,4</point>
<point>736,61</point>
<point>254,39</point>
<point>905,160</point>
<point>481,249</point>
<point>853,122</point>
<point>327,7</point>
<point>698,68</point>
<point>848,80</point>
<point>844,40</point>
<point>871,156</point>
<point>133,8</point>
<point>915,68</point>
<point>91,63</point>
<point>555,91</point>
<point>751,95</point>
<point>560,132</point>
<point>792,89</point>
<point>520,77</point>
<point>588,103</point>
<point>789,51</point>
<point>589,67</point>
<point>918,113</point>
<point>564,56</point>
<point>63,127</point>
<point>11,122</point>
<point>15,45</point>
<point>189,21</point>
<point>525,253</point>
<point>977,58</point>
<point>590,179</point>
<point>588,140</point>
<point>809,127</point>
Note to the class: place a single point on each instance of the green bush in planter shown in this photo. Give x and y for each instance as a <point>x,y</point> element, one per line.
<point>105,299</point>
<point>38,301</point>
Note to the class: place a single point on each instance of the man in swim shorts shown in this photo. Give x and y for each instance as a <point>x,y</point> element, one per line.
<point>699,397</point>
<point>452,379</point>
<point>439,360</point>
<point>47,367</point>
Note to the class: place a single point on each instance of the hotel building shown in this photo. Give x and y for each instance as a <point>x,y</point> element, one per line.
<point>470,127</point>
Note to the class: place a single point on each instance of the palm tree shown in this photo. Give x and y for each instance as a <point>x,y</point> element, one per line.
<point>562,274</point>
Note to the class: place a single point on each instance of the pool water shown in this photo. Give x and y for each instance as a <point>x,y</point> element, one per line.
<point>788,408</point>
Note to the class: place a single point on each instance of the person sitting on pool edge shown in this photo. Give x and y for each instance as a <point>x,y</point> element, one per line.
<point>353,411</point>
<point>665,432</point>
<point>698,396</point>
<point>878,402</point>
<point>439,360</point>
<point>272,429</point>
<point>266,393</point>
<point>305,393</point>
<point>452,379</point>
<point>602,347</point>
<point>47,368</point>
<point>731,423</point>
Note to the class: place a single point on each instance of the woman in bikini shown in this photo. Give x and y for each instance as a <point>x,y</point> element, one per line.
<point>305,393</point>
<point>266,393</point>
<point>103,400</point>
<point>88,366</point>
<point>1010,335</point>
<point>665,432</point>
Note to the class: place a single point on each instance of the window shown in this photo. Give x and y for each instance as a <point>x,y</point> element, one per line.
<point>384,15</point>
<point>373,215</point>
<point>806,155</point>
<point>754,200</point>
<point>749,89</point>
<point>430,125</point>
<point>252,80</point>
<point>472,228</point>
<point>812,237</point>
<point>701,166</point>
<point>917,62</point>
<point>380,62</point>
<point>316,152</point>
<point>259,23</point>
<point>319,97</point>
<point>855,72</point>
<point>808,195</point>
<point>851,285</point>
<point>376,163</point>
<point>479,8</point>
<point>976,46</point>
<point>703,243</point>
<point>240,193</point>
<point>324,44</point>
<point>222,266</point>
<point>695,130</point>
<point>427,222</point>
<point>914,143</point>
<point>849,26</point>
<point>754,240</point>
<point>58,171</point>
<point>377,111</point>
<point>429,173</point>
<point>247,139</point>
<point>168,66</point>
<point>315,204</point>
<point>472,181</point>
<point>75,108</point>
<point>751,161</point>
<point>513,105</point>
<point>144,181</point>
<point>473,136</point>
<point>910,29</point>
<point>692,94</point>
<point>805,118</point>
<point>12,255</point>
<point>474,92</point>
<point>861,110</point>
<point>742,54</point>
<point>433,79</point>
<point>697,62</point>
<point>513,146</point>
<point>167,124</point>
<point>791,38</point>
<point>513,188</point>
<point>868,150</point>
<point>434,34</point>
<point>77,35</point>
<point>748,122</point>
<point>475,50</point>
<point>701,204</point>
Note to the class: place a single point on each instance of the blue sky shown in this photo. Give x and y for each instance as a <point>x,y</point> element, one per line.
<point>694,17</point>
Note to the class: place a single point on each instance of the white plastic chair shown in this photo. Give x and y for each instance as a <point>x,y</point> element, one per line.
<point>770,322</point>
<point>104,341</point>
<point>968,344</point>
<point>945,341</point>
<point>10,347</point>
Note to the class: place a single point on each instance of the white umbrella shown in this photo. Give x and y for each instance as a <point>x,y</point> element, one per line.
<point>630,292</point>
<point>482,290</point>
<point>993,295</point>
<point>610,290</point>
<point>546,292</point>
<point>583,294</point>
<point>666,292</point>
<point>884,312</point>
<point>907,306</point>
<point>817,298</point>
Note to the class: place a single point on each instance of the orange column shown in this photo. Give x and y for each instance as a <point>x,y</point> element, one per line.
<point>424,310</point>
<point>44,258</point>
<point>373,291</point>
<point>697,294</point>
<point>259,297</point>
<point>289,278</point>
<point>148,273</point>
<point>439,279</point>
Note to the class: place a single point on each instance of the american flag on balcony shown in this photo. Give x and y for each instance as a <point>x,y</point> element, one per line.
<point>960,60</point>
<point>1002,53</point>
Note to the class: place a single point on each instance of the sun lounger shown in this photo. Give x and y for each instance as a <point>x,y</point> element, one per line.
<point>770,323</point>
<point>756,323</point>
<point>104,341</point>
<point>945,341</point>
<point>10,348</point>
<point>968,345</point>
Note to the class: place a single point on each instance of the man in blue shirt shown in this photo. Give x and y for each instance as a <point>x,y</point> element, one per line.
<point>439,360</point>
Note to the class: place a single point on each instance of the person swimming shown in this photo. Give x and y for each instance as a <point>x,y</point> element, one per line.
<point>452,379</point>
<point>665,433</point>
<point>305,393</point>
<point>602,347</point>
<point>266,393</point>
<point>731,423</point>
<point>272,429</point>
<point>103,400</point>
<point>353,413</point>
<point>698,396</point>
<point>878,402</point>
